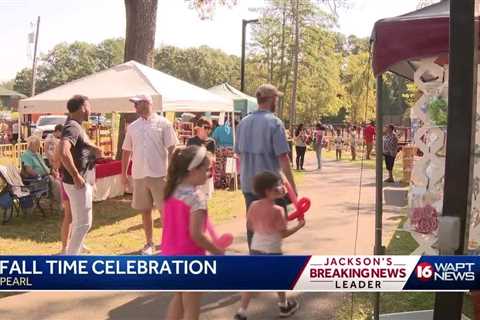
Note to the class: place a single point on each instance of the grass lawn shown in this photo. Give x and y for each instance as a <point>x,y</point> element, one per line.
<point>402,243</point>
<point>117,228</point>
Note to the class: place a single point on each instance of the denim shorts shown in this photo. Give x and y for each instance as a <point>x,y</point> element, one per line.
<point>261,253</point>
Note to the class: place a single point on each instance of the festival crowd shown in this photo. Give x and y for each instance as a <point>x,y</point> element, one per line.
<point>177,180</point>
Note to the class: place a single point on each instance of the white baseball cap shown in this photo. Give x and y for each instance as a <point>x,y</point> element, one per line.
<point>141,97</point>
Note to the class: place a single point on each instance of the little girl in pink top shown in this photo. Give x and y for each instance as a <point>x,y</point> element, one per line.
<point>269,225</point>
<point>184,219</point>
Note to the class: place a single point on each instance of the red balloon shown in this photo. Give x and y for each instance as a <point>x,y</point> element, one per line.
<point>224,241</point>
<point>301,205</point>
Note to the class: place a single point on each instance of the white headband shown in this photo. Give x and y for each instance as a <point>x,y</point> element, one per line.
<point>198,159</point>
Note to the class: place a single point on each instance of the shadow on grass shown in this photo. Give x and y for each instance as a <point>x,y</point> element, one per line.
<point>156,224</point>
<point>36,228</point>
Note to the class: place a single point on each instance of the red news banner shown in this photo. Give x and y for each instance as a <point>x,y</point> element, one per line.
<point>356,273</point>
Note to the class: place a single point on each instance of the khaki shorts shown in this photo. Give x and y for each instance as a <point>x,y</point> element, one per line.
<point>148,193</point>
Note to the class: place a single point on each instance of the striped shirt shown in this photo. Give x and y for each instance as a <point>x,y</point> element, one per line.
<point>390,144</point>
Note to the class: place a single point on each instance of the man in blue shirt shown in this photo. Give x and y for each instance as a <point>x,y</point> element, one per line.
<point>262,144</point>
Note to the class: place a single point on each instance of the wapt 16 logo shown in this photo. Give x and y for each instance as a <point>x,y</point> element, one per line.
<point>448,271</point>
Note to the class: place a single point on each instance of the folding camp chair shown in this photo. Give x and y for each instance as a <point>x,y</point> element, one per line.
<point>39,188</point>
<point>6,201</point>
<point>22,195</point>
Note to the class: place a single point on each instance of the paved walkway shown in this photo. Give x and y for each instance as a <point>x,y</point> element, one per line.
<point>330,229</point>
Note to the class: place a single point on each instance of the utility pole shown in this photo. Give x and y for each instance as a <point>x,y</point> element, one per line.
<point>293,104</point>
<point>282,57</point>
<point>34,67</point>
<point>462,108</point>
<point>242,63</point>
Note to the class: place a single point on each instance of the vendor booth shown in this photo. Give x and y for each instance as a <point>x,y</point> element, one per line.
<point>243,104</point>
<point>108,92</point>
<point>416,46</point>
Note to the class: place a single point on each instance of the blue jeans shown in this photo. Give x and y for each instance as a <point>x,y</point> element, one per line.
<point>318,151</point>
<point>249,198</point>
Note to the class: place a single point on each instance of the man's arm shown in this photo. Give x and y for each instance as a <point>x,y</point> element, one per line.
<point>287,170</point>
<point>127,148</point>
<point>281,150</point>
<point>125,161</point>
<point>170,149</point>
<point>67,161</point>
<point>170,140</point>
<point>97,149</point>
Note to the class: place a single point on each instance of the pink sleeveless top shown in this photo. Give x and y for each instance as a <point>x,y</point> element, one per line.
<point>177,209</point>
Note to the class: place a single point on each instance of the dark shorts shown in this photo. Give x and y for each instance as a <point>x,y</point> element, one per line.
<point>389,162</point>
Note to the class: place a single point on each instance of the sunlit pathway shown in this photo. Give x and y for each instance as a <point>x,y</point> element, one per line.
<point>331,227</point>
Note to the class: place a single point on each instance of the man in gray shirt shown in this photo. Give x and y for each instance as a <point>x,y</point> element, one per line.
<point>262,144</point>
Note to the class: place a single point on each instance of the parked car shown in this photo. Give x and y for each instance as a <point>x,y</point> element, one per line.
<point>98,120</point>
<point>46,124</point>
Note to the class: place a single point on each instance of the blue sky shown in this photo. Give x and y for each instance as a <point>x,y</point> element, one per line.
<point>96,20</point>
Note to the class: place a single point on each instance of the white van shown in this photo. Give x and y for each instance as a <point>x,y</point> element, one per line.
<point>46,124</point>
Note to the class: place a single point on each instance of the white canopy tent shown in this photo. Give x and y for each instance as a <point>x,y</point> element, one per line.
<point>109,90</point>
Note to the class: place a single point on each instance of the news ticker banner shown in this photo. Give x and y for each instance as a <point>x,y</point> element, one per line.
<point>240,273</point>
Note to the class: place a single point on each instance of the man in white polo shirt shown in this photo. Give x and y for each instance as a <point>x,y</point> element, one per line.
<point>149,142</point>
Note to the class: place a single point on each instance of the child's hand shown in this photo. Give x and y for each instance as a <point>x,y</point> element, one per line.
<point>301,223</point>
<point>218,252</point>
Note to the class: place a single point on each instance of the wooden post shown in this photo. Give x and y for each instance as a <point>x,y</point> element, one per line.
<point>378,250</point>
<point>242,59</point>
<point>34,66</point>
<point>462,100</point>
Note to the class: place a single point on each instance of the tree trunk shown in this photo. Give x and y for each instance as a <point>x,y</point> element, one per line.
<point>141,18</point>
<point>140,32</point>
<point>282,57</point>
<point>271,61</point>
<point>293,105</point>
<point>288,73</point>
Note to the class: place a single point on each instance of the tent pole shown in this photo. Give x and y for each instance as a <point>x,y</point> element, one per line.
<point>462,94</point>
<point>235,187</point>
<point>20,133</point>
<point>379,249</point>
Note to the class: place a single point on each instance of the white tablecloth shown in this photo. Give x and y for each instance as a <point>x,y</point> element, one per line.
<point>108,187</point>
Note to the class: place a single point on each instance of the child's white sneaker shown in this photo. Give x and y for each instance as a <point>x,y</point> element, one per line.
<point>148,249</point>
